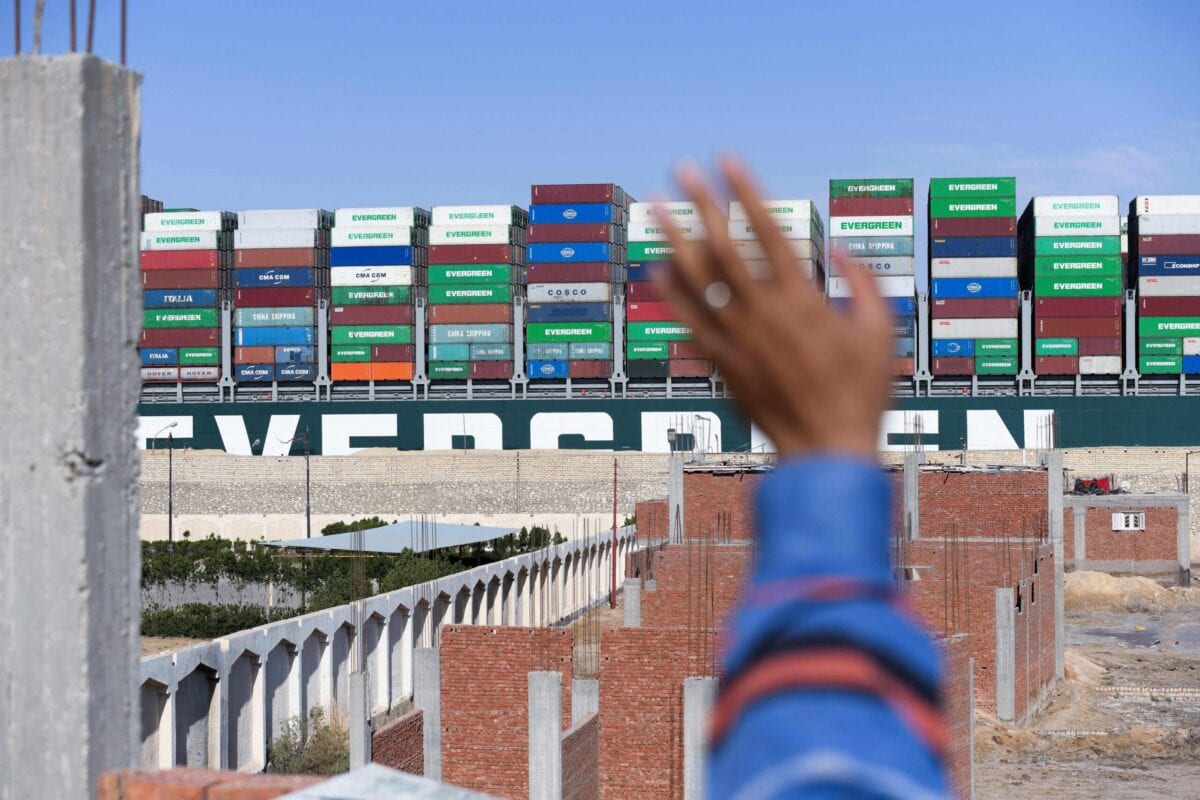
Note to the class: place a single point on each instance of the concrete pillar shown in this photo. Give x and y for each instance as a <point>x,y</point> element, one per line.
<point>675,520</point>
<point>360,721</point>
<point>633,603</point>
<point>521,599</point>
<point>1006,621</point>
<point>68,475</point>
<point>1079,525</point>
<point>1054,512</point>
<point>699,694</point>
<point>1183,543</point>
<point>427,696</point>
<point>585,698</point>
<point>912,494</point>
<point>545,742</point>
<point>492,614</point>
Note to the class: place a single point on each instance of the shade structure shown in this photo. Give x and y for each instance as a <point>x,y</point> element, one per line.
<point>414,535</point>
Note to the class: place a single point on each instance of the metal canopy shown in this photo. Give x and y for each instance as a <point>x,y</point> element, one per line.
<point>419,537</point>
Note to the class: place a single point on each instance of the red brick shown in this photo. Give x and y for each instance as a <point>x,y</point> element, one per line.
<point>957,707</point>
<point>719,505</point>
<point>1101,543</point>
<point>652,523</point>
<point>401,744</point>
<point>180,783</point>
<point>581,760</point>
<point>262,787</point>
<point>696,584</point>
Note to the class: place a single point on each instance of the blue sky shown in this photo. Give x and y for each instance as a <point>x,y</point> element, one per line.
<point>299,103</point>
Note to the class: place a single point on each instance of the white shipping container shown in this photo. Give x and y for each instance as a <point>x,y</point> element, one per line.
<point>1169,286</point>
<point>741,230</point>
<point>364,236</point>
<point>999,328</point>
<point>474,215</point>
<point>1077,226</point>
<point>282,218</point>
<point>199,373</point>
<point>1168,224</point>
<point>762,270</point>
<point>1081,205</point>
<point>1124,242</point>
<point>569,292</point>
<point>160,373</point>
<point>973,267</point>
<point>379,216</point>
<point>889,286</point>
<point>370,276</point>
<point>784,209</point>
<point>653,232</point>
<point>896,265</point>
<point>183,221</point>
<point>643,212</point>
<point>262,238</point>
<point>871,226</point>
<point>1191,346</point>
<point>470,234</point>
<point>183,240</point>
<point>1167,204</point>
<point>750,249</point>
<point>1099,365</point>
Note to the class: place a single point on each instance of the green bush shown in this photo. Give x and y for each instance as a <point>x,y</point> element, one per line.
<point>310,747</point>
<point>205,621</point>
<point>354,525</point>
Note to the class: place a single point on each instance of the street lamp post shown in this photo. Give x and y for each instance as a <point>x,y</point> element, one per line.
<point>307,481</point>
<point>170,482</point>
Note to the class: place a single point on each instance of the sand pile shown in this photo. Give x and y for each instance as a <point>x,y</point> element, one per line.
<point>1099,591</point>
<point>1081,669</point>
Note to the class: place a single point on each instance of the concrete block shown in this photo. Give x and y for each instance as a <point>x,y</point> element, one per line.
<point>585,698</point>
<point>633,603</point>
<point>545,743</point>
<point>427,696</point>
<point>1006,621</point>
<point>699,695</point>
<point>68,479</point>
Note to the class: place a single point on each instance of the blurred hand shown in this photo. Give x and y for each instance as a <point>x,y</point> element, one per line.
<point>811,378</point>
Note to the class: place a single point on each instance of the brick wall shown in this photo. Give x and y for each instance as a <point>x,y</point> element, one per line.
<point>185,783</point>
<point>982,503</point>
<point>400,744</point>
<point>652,521</point>
<point>485,706</point>
<point>958,708</point>
<point>641,708</point>
<point>581,760</point>
<point>714,501</point>
<point>697,585</point>
<point>1101,543</point>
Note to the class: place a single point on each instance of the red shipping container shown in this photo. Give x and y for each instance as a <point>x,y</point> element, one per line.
<point>689,368</point>
<point>589,369</point>
<point>973,226</point>
<point>952,366</point>
<point>371,315</point>
<point>572,193</point>
<point>650,312</point>
<point>180,259</point>
<point>470,314</point>
<point>279,257</point>
<point>974,308</point>
<point>393,352</point>
<point>491,370</point>
<point>642,292</point>
<point>181,279</point>
<point>567,232</point>
<point>903,366</point>
<point>1176,245</point>
<point>275,297</point>
<point>1077,306</point>
<point>1075,327</point>
<point>1100,345</point>
<point>870,206</point>
<point>585,272</point>
<point>471,254</point>
<point>1169,306</point>
<point>1056,365</point>
<point>254,355</point>
<point>180,337</point>
<point>685,350</point>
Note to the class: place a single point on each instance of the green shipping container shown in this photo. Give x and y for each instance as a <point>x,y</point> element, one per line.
<point>190,356</point>
<point>449,370</point>
<point>456,294</point>
<point>371,334</point>
<point>469,274</point>
<point>649,251</point>
<point>1077,266</point>
<point>537,332</point>
<point>1077,287</point>
<point>996,347</point>
<point>960,207</point>
<point>348,353</point>
<point>995,365</point>
<point>490,351</point>
<point>1169,326</point>
<point>1056,347</point>
<point>650,351</point>
<point>973,187</point>
<point>180,318</point>
<point>450,352</point>
<point>657,332</point>
<point>371,295</point>
<point>1160,347</point>
<point>1077,246</point>
<point>1160,365</point>
<point>870,187</point>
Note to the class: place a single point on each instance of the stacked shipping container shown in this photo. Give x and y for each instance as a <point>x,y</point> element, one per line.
<point>477,257</point>
<point>576,266</point>
<point>871,227</point>
<point>281,261</point>
<point>1164,235</point>
<point>973,295</point>
<point>1071,259</point>
<point>184,266</point>
<point>378,257</point>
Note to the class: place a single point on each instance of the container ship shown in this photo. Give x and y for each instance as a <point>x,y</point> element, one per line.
<point>509,327</point>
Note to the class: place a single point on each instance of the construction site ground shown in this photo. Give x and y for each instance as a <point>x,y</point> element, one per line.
<point>1126,722</point>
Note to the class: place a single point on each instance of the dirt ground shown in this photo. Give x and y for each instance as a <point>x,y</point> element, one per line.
<point>153,645</point>
<point>1126,723</point>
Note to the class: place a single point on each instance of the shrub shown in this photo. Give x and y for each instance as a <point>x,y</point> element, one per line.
<point>310,747</point>
<point>205,621</point>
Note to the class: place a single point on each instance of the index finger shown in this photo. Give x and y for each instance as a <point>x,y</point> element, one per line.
<point>866,304</point>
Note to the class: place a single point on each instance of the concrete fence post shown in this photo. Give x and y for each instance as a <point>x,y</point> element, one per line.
<point>699,694</point>
<point>912,494</point>
<point>633,603</point>
<point>360,721</point>
<point>545,741</point>
<point>427,696</point>
<point>675,520</point>
<point>1006,621</point>
<point>68,476</point>
<point>1054,512</point>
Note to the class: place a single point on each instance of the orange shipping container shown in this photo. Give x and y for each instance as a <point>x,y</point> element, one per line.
<point>392,371</point>
<point>254,355</point>
<point>350,372</point>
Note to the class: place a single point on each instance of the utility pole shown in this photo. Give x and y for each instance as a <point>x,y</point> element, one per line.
<point>170,493</point>
<point>307,489</point>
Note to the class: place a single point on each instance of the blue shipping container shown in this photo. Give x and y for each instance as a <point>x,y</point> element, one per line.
<point>546,369</point>
<point>450,352</point>
<point>566,253</point>
<point>871,246</point>
<point>274,276</point>
<point>904,327</point>
<point>254,373</point>
<point>160,356</point>
<point>973,247</point>
<point>903,347</point>
<point>384,256</point>
<point>569,312</point>
<point>262,337</point>
<point>295,372</point>
<point>956,288</point>
<point>295,354</point>
<point>901,306</point>
<point>642,271</point>
<point>179,298</point>
<point>548,351</point>
<point>576,212</point>
<point>947,348</point>
<point>1160,266</point>
<point>1191,364</point>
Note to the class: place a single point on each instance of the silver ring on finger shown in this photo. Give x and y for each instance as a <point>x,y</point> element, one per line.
<point>717,295</point>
